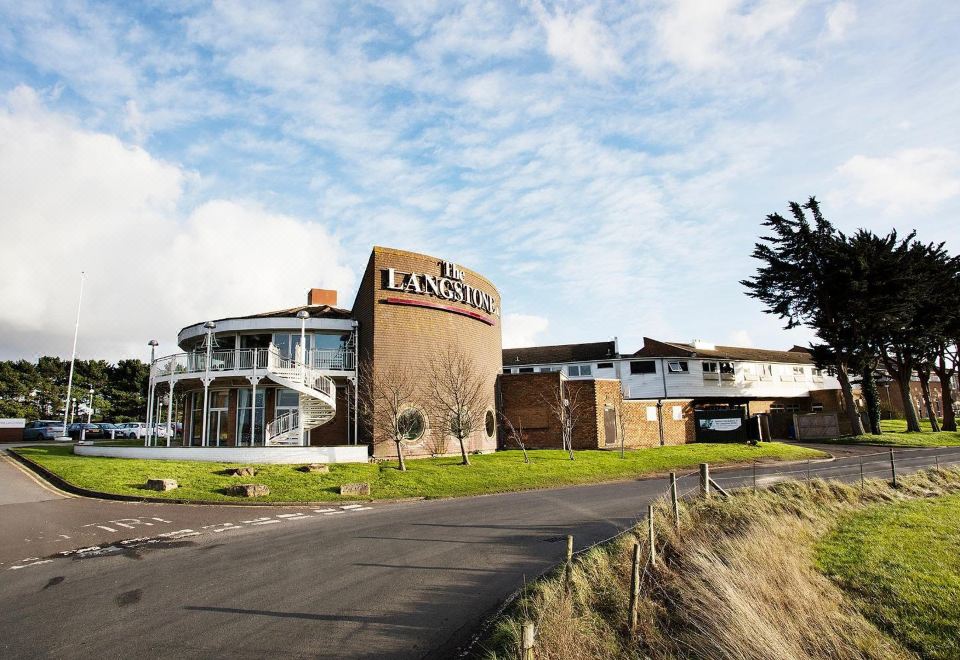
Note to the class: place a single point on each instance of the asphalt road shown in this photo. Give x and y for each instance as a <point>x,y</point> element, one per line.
<point>403,580</point>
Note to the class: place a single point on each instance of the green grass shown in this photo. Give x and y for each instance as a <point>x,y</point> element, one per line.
<point>434,477</point>
<point>900,563</point>
<point>894,433</point>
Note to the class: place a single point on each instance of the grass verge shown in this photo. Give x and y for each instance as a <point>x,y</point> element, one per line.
<point>436,477</point>
<point>894,434</point>
<point>901,565</point>
<point>738,579</point>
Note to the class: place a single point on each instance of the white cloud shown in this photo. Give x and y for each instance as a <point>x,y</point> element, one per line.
<point>839,18</point>
<point>77,200</point>
<point>710,34</point>
<point>522,329</point>
<point>909,179</point>
<point>580,41</point>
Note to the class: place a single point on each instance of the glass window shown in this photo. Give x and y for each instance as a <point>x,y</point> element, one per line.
<point>507,370</point>
<point>287,398</point>
<point>711,367</point>
<point>579,370</point>
<point>411,424</point>
<point>643,367</point>
<point>243,418</point>
<point>282,344</point>
<point>678,367</point>
<point>605,365</point>
<point>525,370</point>
<point>798,371</point>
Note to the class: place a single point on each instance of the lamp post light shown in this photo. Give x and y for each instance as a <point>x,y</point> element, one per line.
<point>153,343</point>
<point>83,431</point>
<point>303,315</point>
<point>210,327</point>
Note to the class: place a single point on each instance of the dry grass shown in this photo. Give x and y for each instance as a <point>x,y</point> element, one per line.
<point>737,580</point>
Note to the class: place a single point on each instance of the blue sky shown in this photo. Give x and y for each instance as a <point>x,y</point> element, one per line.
<point>607,165</point>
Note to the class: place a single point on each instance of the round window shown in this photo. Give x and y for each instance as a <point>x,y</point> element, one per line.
<point>491,424</point>
<point>411,424</point>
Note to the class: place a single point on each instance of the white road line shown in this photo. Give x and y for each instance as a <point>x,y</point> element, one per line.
<point>180,533</point>
<point>266,522</point>
<point>292,515</point>
<point>330,513</point>
<point>247,522</point>
<point>322,510</point>
<point>36,563</point>
<point>350,506</point>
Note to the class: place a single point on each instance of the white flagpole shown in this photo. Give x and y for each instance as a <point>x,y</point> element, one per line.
<point>73,357</point>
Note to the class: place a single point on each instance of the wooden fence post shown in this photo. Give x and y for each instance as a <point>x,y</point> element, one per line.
<point>635,588</point>
<point>893,468</point>
<point>674,499</point>
<point>569,568</point>
<point>529,636</point>
<point>650,536</point>
<point>861,473</point>
<point>705,479</point>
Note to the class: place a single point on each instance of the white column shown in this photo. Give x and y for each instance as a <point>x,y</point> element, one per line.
<point>150,389</point>
<point>170,412</point>
<point>206,404</point>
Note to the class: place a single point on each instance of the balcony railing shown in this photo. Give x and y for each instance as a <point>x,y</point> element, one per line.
<point>244,359</point>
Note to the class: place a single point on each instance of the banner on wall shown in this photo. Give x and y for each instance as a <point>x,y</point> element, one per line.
<point>721,424</point>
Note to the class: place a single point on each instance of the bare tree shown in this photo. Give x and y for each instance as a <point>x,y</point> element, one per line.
<point>458,396</point>
<point>388,405</point>
<point>515,435</point>
<point>565,406</point>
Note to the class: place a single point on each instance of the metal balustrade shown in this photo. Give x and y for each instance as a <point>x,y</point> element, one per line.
<point>246,359</point>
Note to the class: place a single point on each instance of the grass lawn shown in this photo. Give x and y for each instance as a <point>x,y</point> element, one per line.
<point>434,477</point>
<point>895,434</point>
<point>900,564</point>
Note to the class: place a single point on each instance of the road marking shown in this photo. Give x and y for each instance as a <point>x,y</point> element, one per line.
<point>322,510</point>
<point>247,522</point>
<point>351,506</point>
<point>179,534</point>
<point>292,515</point>
<point>331,512</point>
<point>36,563</point>
<point>109,529</point>
<point>267,522</point>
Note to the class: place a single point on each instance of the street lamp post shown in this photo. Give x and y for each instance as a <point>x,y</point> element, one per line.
<point>303,315</point>
<point>210,326</point>
<point>153,343</point>
<point>83,431</point>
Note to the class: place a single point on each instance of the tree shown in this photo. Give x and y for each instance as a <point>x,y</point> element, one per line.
<point>515,434</point>
<point>389,405</point>
<point>911,336</point>
<point>805,280</point>
<point>565,406</point>
<point>458,395</point>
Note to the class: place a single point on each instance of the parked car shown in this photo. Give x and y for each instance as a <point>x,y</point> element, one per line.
<point>93,431</point>
<point>138,430</point>
<point>110,430</point>
<point>43,429</point>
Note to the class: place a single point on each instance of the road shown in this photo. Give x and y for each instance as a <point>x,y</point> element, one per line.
<point>402,580</point>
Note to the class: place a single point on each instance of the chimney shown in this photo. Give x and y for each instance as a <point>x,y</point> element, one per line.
<point>322,297</point>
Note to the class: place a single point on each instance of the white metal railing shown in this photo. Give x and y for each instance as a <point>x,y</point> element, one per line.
<point>244,359</point>
<point>331,359</point>
<point>281,426</point>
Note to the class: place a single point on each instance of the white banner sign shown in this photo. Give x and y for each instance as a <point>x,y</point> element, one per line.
<point>12,423</point>
<point>725,424</point>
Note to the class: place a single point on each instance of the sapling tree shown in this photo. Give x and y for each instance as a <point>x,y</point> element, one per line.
<point>457,394</point>
<point>390,405</point>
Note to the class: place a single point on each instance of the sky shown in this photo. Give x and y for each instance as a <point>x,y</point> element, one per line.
<point>607,165</point>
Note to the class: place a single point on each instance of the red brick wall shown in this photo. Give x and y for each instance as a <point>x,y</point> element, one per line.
<point>405,335</point>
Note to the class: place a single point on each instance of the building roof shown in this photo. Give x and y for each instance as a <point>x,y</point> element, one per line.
<point>598,350</point>
<point>315,311</point>
<point>663,349</point>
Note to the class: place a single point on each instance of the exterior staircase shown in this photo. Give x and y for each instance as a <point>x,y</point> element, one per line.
<point>318,402</point>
